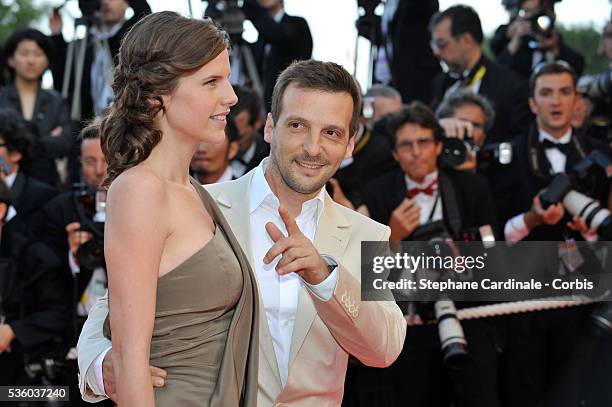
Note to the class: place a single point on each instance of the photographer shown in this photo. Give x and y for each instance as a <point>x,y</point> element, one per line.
<point>540,343</point>
<point>523,43</point>
<point>62,229</point>
<point>106,26</point>
<point>29,195</point>
<point>28,53</point>
<point>282,40</point>
<point>32,312</point>
<point>596,94</point>
<point>410,201</point>
<point>457,42</point>
<point>550,147</point>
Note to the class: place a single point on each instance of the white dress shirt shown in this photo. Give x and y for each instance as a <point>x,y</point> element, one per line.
<point>424,201</point>
<point>279,293</point>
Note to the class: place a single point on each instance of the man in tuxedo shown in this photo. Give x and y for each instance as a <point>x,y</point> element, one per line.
<point>457,42</point>
<point>303,248</point>
<point>539,344</point>
<point>282,40</point>
<point>29,194</point>
<point>410,200</point>
<point>247,117</point>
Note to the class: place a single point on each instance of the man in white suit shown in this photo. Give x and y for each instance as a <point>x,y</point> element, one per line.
<point>304,248</point>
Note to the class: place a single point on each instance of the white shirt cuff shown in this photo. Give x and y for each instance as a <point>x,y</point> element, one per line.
<point>74,266</point>
<point>94,378</point>
<point>516,229</point>
<point>325,289</point>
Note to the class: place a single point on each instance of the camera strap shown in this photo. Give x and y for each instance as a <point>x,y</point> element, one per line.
<point>449,200</point>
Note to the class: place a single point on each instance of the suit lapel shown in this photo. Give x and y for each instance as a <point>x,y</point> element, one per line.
<point>331,238</point>
<point>232,198</point>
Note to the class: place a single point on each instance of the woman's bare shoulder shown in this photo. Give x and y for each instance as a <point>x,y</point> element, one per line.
<point>136,183</point>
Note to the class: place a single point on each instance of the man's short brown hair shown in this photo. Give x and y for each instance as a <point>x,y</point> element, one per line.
<point>321,76</point>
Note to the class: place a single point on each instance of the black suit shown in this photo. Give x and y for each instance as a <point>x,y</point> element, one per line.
<point>521,61</point>
<point>528,183</point>
<point>50,111</point>
<point>290,40</point>
<point>507,92</point>
<point>141,8</point>
<point>413,65</point>
<point>29,196</point>
<point>473,198</point>
<point>419,373</point>
<point>539,344</point>
<point>33,302</point>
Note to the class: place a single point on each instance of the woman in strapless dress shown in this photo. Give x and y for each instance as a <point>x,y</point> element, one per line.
<point>182,295</point>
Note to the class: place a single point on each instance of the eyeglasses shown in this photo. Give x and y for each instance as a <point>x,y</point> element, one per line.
<point>3,144</point>
<point>438,43</point>
<point>408,146</point>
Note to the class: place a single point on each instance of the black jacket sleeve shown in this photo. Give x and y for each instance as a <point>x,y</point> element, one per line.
<point>44,296</point>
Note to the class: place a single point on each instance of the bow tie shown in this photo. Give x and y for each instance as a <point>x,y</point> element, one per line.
<point>563,147</point>
<point>428,190</point>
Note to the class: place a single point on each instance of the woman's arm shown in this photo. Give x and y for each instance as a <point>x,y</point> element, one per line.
<point>134,239</point>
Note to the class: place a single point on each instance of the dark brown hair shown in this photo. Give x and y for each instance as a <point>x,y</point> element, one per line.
<point>317,75</point>
<point>415,113</point>
<point>154,54</point>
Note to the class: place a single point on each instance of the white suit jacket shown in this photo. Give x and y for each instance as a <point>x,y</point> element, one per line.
<point>325,332</point>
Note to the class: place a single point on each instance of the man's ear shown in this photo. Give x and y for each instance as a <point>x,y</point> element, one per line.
<point>269,128</point>
<point>232,150</point>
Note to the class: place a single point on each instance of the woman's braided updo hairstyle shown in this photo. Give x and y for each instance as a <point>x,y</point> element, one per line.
<point>154,54</point>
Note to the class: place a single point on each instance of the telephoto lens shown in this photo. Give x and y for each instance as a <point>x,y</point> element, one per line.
<point>452,339</point>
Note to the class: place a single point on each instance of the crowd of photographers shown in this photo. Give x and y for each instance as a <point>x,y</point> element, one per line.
<point>513,146</point>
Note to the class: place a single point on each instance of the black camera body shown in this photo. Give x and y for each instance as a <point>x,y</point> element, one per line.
<point>87,207</point>
<point>455,152</point>
<point>578,179</point>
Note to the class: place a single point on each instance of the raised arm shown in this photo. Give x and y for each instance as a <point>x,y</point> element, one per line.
<point>134,240</point>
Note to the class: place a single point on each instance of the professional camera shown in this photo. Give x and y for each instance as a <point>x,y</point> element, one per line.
<point>90,207</point>
<point>229,15</point>
<point>579,179</point>
<point>542,22</point>
<point>596,87</point>
<point>455,151</point>
<point>452,339</point>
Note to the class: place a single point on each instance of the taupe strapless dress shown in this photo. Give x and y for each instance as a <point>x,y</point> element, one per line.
<point>206,325</point>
